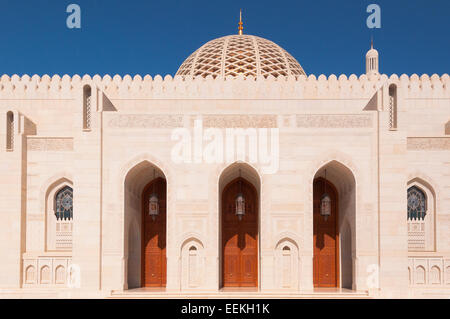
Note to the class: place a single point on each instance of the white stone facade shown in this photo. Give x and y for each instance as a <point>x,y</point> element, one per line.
<point>105,145</point>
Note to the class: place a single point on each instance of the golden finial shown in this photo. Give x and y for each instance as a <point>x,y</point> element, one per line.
<point>241,28</point>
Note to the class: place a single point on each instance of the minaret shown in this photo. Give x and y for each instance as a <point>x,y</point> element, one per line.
<point>241,28</point>
<point>372,61</point>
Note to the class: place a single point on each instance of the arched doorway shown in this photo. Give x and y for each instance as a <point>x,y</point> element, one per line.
<point>239,242</point>
<point>334,237</point>
<point>326,243</point>
<point>145,236</point>
<point>154,266</point>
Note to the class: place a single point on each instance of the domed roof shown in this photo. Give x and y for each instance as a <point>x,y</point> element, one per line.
<point>240,54</point>
<point>372,53</point>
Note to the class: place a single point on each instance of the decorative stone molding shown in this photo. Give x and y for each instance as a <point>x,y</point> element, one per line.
<point>146,121</point>
<point>281,87</point>
<point>45,271</point>
<point>428,143</point>
<point>429,271</point>
<point>42,144</point>
<point>240,121</point>
<point>334,121</point>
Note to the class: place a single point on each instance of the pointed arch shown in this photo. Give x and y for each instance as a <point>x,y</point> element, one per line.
<point>192,263</point>
<point>342,184</point>
<point>58,205</point>
<point>421,229</point>
<point>239,178</point>
<point>286,258</point>
<point>144,255</point>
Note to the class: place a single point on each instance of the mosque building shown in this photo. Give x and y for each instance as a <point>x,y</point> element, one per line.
<point>242,175</point>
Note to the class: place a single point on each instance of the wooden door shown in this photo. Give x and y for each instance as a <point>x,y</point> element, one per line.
<point>239,237</point>
<point>326,244</point>
<point>154,237</point>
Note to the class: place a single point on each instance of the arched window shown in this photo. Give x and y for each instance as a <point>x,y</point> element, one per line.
<point>417,204</point>
<point>420,217</point>
<point>392,107</point>
<point>60,220</point>
<point>9,131</point>
<point>87,94</point>
<point>64,204</point>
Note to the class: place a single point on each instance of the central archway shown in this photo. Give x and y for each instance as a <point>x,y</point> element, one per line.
<point>326,243</point>
<point>145,236</point>
<point>334,237</point>
<point>154,267</point>
<point>239,236</point>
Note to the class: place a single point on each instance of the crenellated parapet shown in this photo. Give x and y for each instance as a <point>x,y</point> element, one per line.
<point>178,87</point>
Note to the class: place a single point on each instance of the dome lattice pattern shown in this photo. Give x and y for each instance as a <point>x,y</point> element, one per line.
<point>240,54</point>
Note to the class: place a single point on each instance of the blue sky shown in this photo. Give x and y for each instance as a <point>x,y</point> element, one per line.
<point>154,37</point>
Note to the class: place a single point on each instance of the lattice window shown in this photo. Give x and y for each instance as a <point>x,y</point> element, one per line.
<point>417,209</point>
<point>64,204</point>
<point>87,107</point>
<point>9,131</point>
<point>417,203</point>
<point>64,218</point>
<point>392,106</point>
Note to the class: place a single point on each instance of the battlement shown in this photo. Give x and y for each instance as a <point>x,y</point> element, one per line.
<point>178,87</point>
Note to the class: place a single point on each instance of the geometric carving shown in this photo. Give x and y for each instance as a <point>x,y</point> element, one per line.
<point>416,235</point>
<point>146,121</point>
<point>428,143</point>
<point>63,240</point>
<point>240,54</point>
<point>334,121</point>
<point>49,144</point>
<point>240,121</point>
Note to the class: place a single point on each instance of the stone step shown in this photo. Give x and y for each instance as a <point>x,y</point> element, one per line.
<point>237,295</point>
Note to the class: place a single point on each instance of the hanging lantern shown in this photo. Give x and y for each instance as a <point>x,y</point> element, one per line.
<point>240,206</point>
<point>153,205</point>
<point>240,201</point>
<point>325,206</point>
<point>325,201</point>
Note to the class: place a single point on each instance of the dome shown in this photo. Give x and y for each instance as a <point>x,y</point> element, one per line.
<point>240,54</point>
<point>372,53</point>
